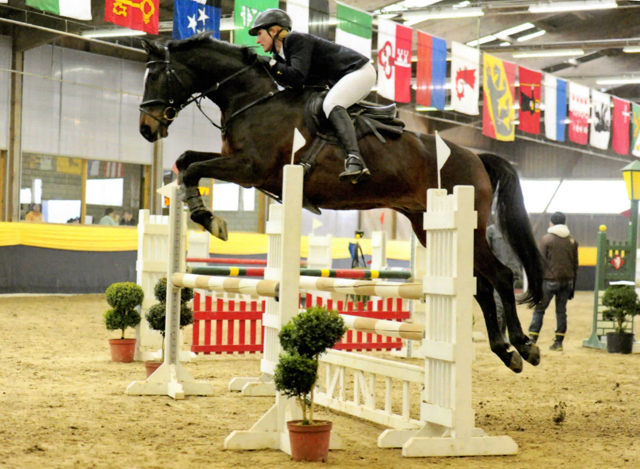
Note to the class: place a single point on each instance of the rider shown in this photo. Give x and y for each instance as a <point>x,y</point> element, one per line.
<point>304,59</point>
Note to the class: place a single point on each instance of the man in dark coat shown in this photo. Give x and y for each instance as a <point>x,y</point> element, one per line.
<point>560,251</point>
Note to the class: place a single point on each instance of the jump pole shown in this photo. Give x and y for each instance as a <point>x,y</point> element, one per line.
<point>171,378</point>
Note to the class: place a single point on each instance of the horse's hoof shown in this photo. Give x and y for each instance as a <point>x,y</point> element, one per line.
<point>218,228</point>
<point>533,356</point>
<point>515,363</point>
<point>214,225</point>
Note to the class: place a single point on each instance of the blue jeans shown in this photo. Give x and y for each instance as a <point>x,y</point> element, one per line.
<point>561,290</point>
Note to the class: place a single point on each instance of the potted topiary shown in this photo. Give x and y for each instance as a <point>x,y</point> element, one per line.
<point>623,304</point>
<point>304,339</point>
<point>156,316</point>
<point>124,298</point>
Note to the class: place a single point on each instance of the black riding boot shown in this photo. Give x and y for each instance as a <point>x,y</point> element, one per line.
<point>354,166</point>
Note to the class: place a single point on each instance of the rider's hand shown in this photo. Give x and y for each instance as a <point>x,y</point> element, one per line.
<point>265,60</point>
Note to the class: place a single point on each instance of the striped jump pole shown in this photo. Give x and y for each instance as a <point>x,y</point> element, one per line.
<point>383,327</point>
<point>268,288</point>
<point>355,274</point>
<point>410,291</point>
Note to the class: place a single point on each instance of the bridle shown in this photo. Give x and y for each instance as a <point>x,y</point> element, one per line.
<point>171,110</point>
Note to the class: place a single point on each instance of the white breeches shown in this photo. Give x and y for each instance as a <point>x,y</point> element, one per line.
<point>350,89</point>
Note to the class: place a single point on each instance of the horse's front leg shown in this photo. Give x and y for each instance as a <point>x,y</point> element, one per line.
<point>189,180</point>
<point>239,169</point>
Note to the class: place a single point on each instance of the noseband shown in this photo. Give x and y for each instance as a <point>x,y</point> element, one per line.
<point>171,110</point>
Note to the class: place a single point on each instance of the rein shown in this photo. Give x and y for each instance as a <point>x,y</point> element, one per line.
<point>171,112</point>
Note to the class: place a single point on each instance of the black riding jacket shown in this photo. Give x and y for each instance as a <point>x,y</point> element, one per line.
<point>311,60</point>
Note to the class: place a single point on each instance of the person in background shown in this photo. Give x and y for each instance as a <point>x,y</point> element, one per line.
<point>560,251</point>
<point>127,219</point>
<point>109,217</point>
<point>501,249</point>
<point>35,214</point>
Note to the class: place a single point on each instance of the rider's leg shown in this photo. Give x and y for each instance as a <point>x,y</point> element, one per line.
<point>347,91</point>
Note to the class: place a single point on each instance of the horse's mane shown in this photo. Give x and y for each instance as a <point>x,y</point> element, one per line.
<point>205,39</point>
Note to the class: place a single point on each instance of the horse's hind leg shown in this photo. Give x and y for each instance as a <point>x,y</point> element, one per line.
<point>189,180</point>
<point>499,276</point>
<point>484,297</point>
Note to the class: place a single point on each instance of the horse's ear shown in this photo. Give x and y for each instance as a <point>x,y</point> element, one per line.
<point>151,48</point>
<point>249,55</point>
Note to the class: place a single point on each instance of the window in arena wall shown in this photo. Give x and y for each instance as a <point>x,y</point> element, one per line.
<point>55,182</point>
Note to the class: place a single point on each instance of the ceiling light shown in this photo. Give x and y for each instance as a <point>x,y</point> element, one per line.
<point>631,49</point>
<point>112,32</point>
<point>414,17</point>
<point>618,81</point>
<point>516,29</point>
<point>551,7</point>
<point>548,53</point>
<point>482,40</point>
<point>531,36</point>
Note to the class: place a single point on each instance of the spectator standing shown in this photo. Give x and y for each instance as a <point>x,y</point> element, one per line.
<point>35,214</point>
<point>127,219</point>
<point>109,218</point>
<point>560,251</point>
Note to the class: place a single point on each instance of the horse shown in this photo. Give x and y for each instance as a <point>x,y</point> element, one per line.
<point>258,119</point>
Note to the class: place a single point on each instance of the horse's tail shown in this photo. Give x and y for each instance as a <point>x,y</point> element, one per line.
<point>514,223</point>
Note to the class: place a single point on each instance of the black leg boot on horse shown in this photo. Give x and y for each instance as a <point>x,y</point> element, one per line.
<point>354,167</point>
<point>202,215</point>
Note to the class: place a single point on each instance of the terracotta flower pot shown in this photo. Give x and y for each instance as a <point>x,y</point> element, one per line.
<point>151,367</point>
<point>122,350</point>
<point>309,442</point>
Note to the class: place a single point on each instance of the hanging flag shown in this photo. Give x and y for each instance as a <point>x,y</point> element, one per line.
<point>141,16</point>
<point>244,14</point>
<point>113,170</point>
<point>394,61</point>
<point>530,87</point>
<point>354,28</point>
<point>68,165</point>
<point>78,9</point>
<point>600,120</point>
<point>578,113</point>
<point>621,119</point>
<point>635,149</point>
<point>310,16</point>
<point>432,71</point>
<point>195,16</point>
<point>499,91</point>
<point>465,73</point>
<point>555,107</point>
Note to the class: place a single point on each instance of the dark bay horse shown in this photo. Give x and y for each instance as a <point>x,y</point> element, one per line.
<point>258,124</point>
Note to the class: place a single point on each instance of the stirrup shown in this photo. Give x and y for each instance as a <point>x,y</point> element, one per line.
<point>354,169</point>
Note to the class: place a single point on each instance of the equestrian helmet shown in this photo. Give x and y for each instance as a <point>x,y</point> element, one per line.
<point>271,17</point>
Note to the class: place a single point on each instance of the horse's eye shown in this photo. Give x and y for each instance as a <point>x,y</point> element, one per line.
<point>170,113</point>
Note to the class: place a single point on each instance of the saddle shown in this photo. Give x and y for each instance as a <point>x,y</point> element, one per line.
<point>368,118</point>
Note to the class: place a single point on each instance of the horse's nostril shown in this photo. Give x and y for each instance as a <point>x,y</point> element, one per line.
<point>145,130</point>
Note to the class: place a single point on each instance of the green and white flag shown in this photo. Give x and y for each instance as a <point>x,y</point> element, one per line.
<point>78,9</point>
<point>245,13</point>
<point>354,29</point>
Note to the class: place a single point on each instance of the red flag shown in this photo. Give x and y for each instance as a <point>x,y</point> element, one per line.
<point>621,121</point>
<point>141,15</point>
<point>382,219</point>
<point>530,86</point>
<point>579,113</point>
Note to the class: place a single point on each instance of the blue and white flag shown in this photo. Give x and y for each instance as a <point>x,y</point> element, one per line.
<point>196,16</point>
<point>555,112</point>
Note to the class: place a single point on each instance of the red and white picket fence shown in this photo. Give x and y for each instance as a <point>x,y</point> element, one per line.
<point>235,326</point>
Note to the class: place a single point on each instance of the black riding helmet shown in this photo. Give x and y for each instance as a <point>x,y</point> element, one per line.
<point>271,17</point>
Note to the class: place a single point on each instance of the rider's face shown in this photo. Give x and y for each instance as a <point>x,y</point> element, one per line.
<point>264,40</point>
